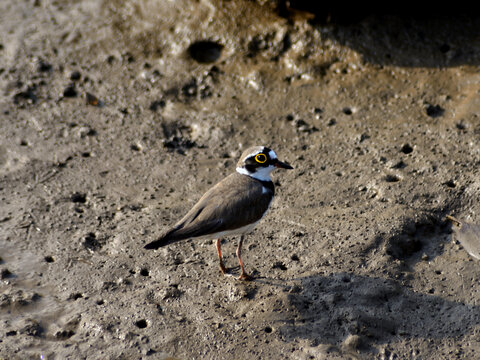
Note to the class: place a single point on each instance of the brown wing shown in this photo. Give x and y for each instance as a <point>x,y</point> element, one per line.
<point>236,201</point>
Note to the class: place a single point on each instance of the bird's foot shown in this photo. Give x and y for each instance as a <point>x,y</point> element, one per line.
<point>245,277</point>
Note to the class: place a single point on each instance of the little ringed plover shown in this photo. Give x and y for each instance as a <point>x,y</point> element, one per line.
<point>234,206</point>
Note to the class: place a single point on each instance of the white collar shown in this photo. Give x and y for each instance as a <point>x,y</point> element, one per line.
<point>262,174</point>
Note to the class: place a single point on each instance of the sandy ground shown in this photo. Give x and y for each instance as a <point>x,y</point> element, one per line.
<point>355,259</point>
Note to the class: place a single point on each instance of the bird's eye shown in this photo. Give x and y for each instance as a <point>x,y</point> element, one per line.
<point>260,158</point>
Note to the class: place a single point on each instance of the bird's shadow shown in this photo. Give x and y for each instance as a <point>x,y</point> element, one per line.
<point>329,309</point>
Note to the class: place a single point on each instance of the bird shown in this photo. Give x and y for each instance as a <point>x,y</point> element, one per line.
<point>234,206</point>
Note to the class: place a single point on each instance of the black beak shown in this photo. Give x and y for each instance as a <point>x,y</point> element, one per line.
<point>282,165</point>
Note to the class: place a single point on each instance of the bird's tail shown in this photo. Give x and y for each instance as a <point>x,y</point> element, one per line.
<point>166,239</point>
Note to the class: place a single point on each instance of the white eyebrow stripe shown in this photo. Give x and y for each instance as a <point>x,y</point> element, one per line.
<point>254,153</point>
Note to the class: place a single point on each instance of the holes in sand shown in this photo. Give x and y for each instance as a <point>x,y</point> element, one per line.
<point>70,91</point>
<point>205,51</point>
<point>415,238</point>
<point>279,265</point>
<point>49,259</point>
<point>450,184</point>
<point>399,165</point>
<point>75,296</point>
<point>144,272</point>
<point>406,149</point>
<point>268,329</point>
<point>79,198</point>
<point>434,111</point>
<point>391,178</point>
<point>403,246</point>
<point>141,324</point>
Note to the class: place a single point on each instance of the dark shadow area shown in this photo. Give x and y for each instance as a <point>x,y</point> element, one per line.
<point>396,35</point>
<point>416,239</point>
<point>329,309</point>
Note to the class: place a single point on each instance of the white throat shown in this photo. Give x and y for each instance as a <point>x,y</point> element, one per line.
<point>262,174</point>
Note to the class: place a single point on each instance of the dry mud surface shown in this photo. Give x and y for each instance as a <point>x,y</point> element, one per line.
<point>116,116</point>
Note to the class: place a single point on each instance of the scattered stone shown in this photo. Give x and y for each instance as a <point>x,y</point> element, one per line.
<point>93,100</point>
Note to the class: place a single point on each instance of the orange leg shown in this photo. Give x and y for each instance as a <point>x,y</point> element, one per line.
<point>223,269</point>
<point>243,275</point>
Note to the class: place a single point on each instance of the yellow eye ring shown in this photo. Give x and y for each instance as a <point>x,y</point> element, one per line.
<point>260,158</point>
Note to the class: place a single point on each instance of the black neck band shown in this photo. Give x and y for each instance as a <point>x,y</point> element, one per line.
<point>268,184</point>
